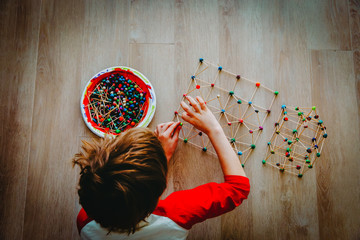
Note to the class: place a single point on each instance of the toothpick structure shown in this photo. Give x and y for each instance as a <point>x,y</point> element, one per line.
<point>240,105</point>
<point>297,141</point>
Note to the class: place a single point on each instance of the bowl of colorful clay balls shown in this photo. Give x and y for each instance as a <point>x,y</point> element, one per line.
<point>116,99</point>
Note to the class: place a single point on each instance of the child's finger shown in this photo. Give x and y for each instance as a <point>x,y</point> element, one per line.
<point>201,102</point>
<point>169,131</point>
<point>185,116</point>
<point>186,108</point>
<point>159,126</point>
<point>157,129</point>
<point>166,126</point>
<point>193,103</point>
<point>176,133</point>
<point>163,126</point>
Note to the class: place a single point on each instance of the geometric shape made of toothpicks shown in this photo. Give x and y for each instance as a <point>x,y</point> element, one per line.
<point>240,105</point>
<point>297,141</point>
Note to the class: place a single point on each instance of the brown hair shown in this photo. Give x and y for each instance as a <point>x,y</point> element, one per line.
<point>121,178</point>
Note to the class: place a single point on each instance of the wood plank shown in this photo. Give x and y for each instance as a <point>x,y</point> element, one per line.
<point>356,62</point>
<point>291,213</point>
<point>196,34</point>
<point>152,21</point>
<point>19,30</point>
<point>51,200</point>
<point>354,17</point>
<point>327,24</point>
<point>338,189</point>
<point>354,12</point>
<point>106,40</point>
<point>237,45</point>
<point>156,62</point>
<point>262,49</point>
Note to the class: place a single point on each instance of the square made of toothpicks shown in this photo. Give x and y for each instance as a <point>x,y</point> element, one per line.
<point>297,141</point>
<point>239,104</point>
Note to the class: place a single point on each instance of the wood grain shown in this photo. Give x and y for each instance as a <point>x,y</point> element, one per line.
<point>150,21</point>
<point>143,58</point>
<point>19,29</point>
<point>102,32</point>
<point>51,200</point>
<point>274,60</point>
<point>196,34</point>
<point>354,18</point>
<point>337,195</point>
<point>354,14</point>
<point>307,50</point>
<point>327,24</point>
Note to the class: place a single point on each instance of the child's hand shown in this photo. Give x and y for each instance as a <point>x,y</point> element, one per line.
<point>168,135</point>
<point>203,119</point>
<point>199,115</point>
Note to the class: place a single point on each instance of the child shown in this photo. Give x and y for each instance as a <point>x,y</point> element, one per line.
<point>122,180</point>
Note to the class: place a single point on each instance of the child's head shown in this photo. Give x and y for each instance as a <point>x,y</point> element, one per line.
<point>121,179</point>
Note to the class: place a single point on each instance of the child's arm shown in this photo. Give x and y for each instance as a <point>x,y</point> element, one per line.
<point>203,119</point>
<point>189,207</point>
<point>168,135</point>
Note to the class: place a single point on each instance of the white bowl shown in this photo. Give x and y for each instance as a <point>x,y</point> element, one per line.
<point>139,78</point>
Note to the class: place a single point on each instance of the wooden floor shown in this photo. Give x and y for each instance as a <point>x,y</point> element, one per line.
<point>309,50</point>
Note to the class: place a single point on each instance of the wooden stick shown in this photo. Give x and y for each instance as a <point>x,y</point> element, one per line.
<point>201,71</point>
<point>233,74</point>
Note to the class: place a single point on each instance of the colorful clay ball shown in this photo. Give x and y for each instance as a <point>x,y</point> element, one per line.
<point>117,103</point>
